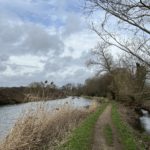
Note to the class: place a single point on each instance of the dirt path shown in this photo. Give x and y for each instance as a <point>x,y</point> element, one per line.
<point>99,141</point>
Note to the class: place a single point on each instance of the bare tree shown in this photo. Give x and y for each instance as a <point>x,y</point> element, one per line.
<point>102,58</point>
<point>127,74</point>
<point>132,19</point>
<point>133,12</point>
<point>138,47</point>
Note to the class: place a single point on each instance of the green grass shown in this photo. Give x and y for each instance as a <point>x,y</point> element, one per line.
<point>82,136</point>
<point>108,135</point>
<point>145,138</point>
<point>88,97</point>
<point>128,139</point>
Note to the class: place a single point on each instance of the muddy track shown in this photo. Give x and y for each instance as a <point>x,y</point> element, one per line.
<point>99,141</point>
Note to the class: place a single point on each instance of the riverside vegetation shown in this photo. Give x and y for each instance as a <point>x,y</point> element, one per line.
<point>40,129</point>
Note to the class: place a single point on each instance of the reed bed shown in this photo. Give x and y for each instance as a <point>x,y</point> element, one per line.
<point>43,130</point>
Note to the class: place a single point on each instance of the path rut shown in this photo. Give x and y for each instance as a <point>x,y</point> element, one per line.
<point>99,142</point>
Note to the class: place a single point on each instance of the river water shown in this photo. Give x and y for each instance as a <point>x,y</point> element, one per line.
<point>10,113</point>
<point>145,120</point>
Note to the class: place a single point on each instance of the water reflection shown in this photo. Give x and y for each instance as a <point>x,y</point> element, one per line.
<point>145,120</point>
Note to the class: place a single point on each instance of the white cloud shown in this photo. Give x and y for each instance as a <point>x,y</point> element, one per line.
<point>41,40</point>
<point>80,42</point>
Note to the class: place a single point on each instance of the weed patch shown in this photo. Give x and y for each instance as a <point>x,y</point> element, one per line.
<point>108,135</point>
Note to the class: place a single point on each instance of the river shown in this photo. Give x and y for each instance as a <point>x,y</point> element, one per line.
<point>10,113</point>
<point>145,120</point>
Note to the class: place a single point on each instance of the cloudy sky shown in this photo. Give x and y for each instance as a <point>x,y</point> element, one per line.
<point>44,40</point>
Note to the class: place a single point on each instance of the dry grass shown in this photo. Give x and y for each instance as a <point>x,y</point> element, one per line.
<point>40,129</point>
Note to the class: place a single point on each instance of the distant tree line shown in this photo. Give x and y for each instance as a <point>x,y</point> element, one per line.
<point>35,91</point>
<point>43,91</point>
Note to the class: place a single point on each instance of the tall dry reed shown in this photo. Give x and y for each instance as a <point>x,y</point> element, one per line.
<point>42,129</point>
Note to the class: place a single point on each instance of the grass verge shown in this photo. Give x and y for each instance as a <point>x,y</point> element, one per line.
<point>127,137</point>
<point>82,136</point>
<point>108,135</point>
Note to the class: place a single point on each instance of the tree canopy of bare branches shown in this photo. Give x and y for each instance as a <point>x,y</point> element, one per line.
<point>133,12</point>
<point>132,19</point>
<point>102,58</point>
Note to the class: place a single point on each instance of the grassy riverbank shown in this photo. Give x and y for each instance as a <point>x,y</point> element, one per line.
<point>81,137</point>
<point>127,136</point>
<point>130,116</point>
